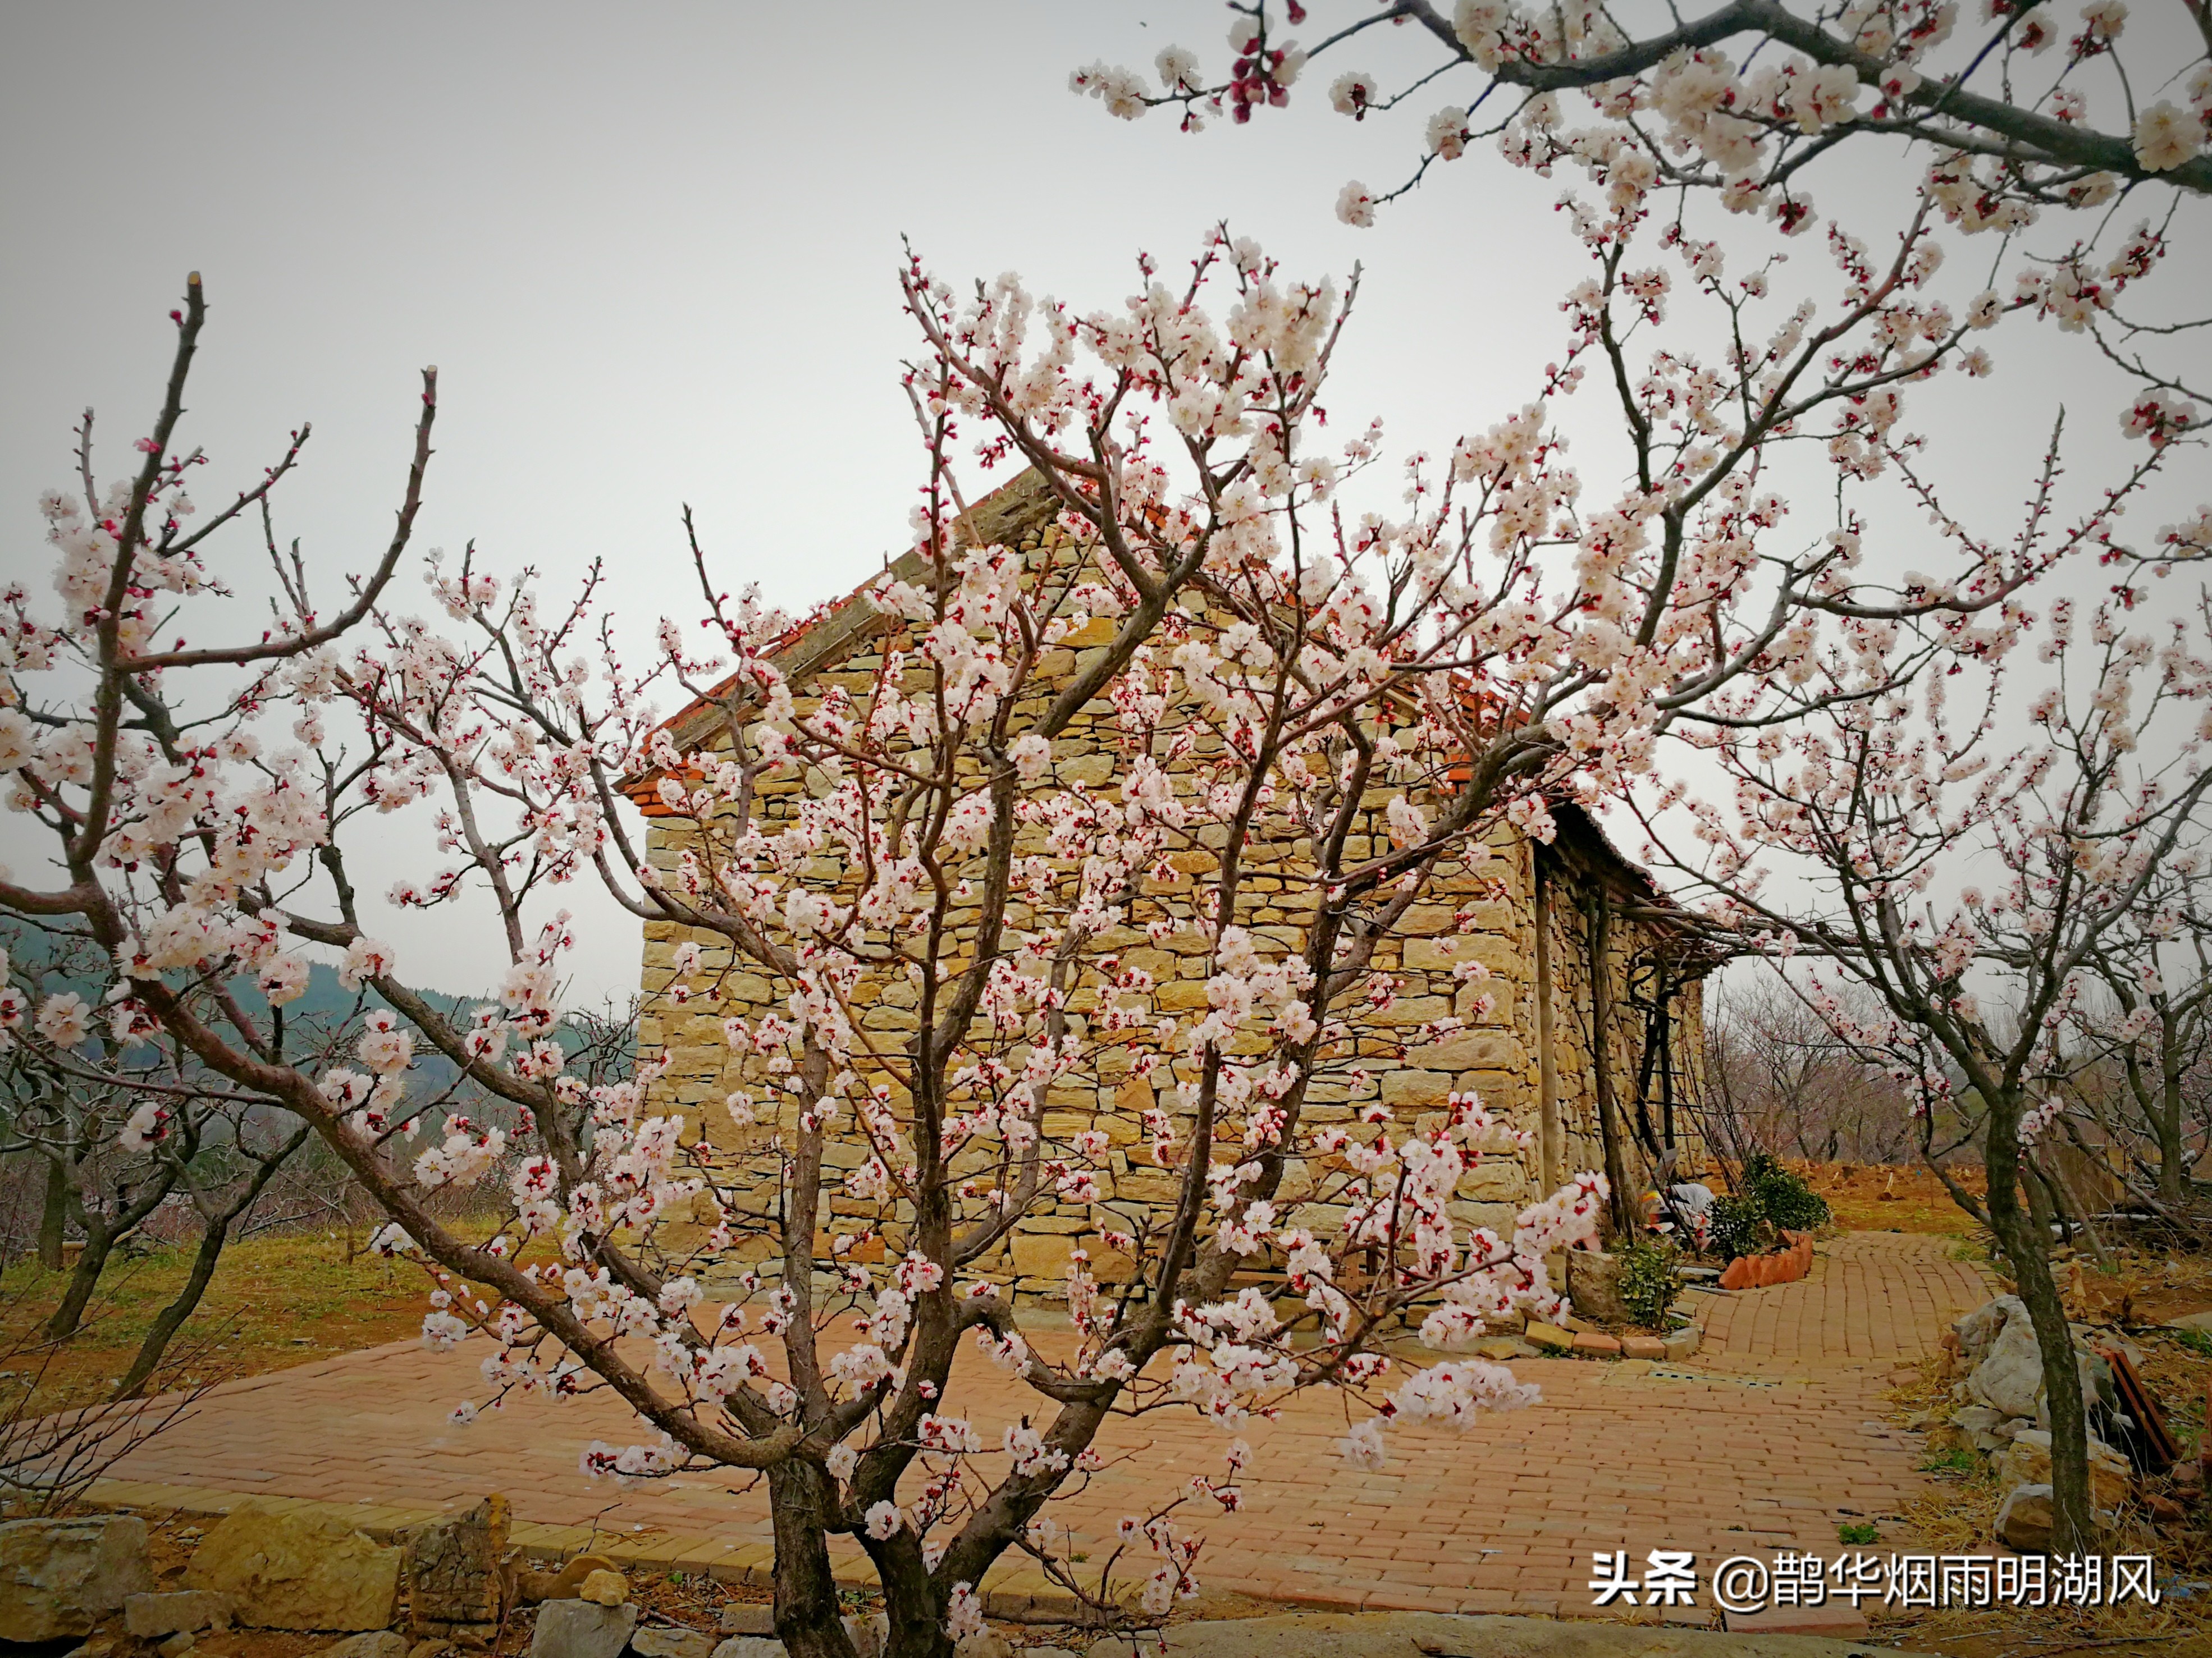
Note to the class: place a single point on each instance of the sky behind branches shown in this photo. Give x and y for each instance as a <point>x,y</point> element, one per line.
<point>652,252</point>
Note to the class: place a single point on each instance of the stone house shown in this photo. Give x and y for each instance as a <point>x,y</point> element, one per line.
<point>1576,940</point>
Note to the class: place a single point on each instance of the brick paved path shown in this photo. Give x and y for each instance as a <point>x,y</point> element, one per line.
<point>1758,1442</point>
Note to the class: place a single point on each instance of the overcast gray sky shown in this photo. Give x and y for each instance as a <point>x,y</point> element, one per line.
<point>651,250</point>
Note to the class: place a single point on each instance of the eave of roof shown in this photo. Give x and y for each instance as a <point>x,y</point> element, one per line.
<point>836,629</point>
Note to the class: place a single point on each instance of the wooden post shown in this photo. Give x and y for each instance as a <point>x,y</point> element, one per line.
<point>1622,1206</point>
<point>1551,1135</point>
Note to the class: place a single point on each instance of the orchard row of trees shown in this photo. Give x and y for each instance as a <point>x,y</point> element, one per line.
<point>1941,765</point>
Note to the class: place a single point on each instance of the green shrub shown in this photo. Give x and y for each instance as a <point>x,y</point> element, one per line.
<point>1864,1531</point>
<point>1736,1227</point>
<point>1768,1201</point>
<point>1650,1280</point>
<point>1786,1201</point>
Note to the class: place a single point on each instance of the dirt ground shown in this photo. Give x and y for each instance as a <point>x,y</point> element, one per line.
<point>1874,1198</point>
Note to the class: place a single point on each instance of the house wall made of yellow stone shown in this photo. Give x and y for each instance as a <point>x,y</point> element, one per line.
<point>1496,1054</point>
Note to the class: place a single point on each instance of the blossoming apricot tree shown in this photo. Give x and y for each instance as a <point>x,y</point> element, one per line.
<point>1276,661</point>
<point>1983,888</point>
<point>2035,118</point>
<point>2088,131</point>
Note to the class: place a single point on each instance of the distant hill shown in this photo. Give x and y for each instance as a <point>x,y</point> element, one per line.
<point>325,1002</point>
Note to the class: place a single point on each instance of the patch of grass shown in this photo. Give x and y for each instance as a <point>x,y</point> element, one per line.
<point>1957,1460</point>
<point>1864,1531</point>
<point>2198,1341</point>
<point>277,1300</point>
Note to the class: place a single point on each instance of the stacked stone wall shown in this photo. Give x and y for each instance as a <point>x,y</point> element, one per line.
<point>1490,892</point>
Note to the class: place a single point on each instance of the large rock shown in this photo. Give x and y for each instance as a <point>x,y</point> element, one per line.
<point>532,1586</point>
<point>453,1575</point>
<point>59,1577</point>
<point>295,1570</point>
<point>672,1643</point>
<point>2024,1523</point>
<point>2026,1462</point>
<point>185,1611</point>
<point>1975,1331</point>
<point>1594,1285</point>
<point>377,1643</point>
<point>580,1629</point>
<point>2009,1377</point>
<point>748,1617</point>
<point>603,1588</point>
<point>748,1646</point>
<point>1983,1428</point>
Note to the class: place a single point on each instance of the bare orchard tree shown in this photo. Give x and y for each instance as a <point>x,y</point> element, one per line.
<point>67,1109</point>
<point>1786,1082</point>
<point>1312,712</point>
<point>2142,1039</point>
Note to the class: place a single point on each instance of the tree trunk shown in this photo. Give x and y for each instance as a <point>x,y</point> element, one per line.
<point>2027,1243</point>
<point>171,1317</point>
<point>807,1620</point>
<point>54,1218</point>
<point>99,1241</point>
<point>2172,1154</point>
<point>911,1601</point>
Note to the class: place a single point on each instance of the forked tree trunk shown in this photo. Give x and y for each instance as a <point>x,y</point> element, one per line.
<point>807,1620</point>
<point>911,1603</point>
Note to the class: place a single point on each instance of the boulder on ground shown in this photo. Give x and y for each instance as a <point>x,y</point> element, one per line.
<point>2008,1378</point>
<point>984,1644</point>
<point>604,1588</point>
<point>293,1570</point>
<point>1973,1333</point>
<point>377,1643</point>
<point>561,1584</point>
<point>2026,1462</point>
<point>582,1629</point>
<point>453,1570</point>
<point>672,1643</point>
<point>59,1577</point>
<point>748,1617</point>
<point>748,1646</point>
<point>1594,1285</point>
<point>185,1611</point>
<point>1984,1429</point>
<point>869,1635</point>
<point>2025,1522</point>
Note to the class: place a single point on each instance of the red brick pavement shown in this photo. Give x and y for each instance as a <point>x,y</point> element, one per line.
<point>1757,1443</point>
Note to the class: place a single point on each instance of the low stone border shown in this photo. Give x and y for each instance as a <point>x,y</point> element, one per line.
<point>1014,1594</point>
<point>1782,1266</point>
